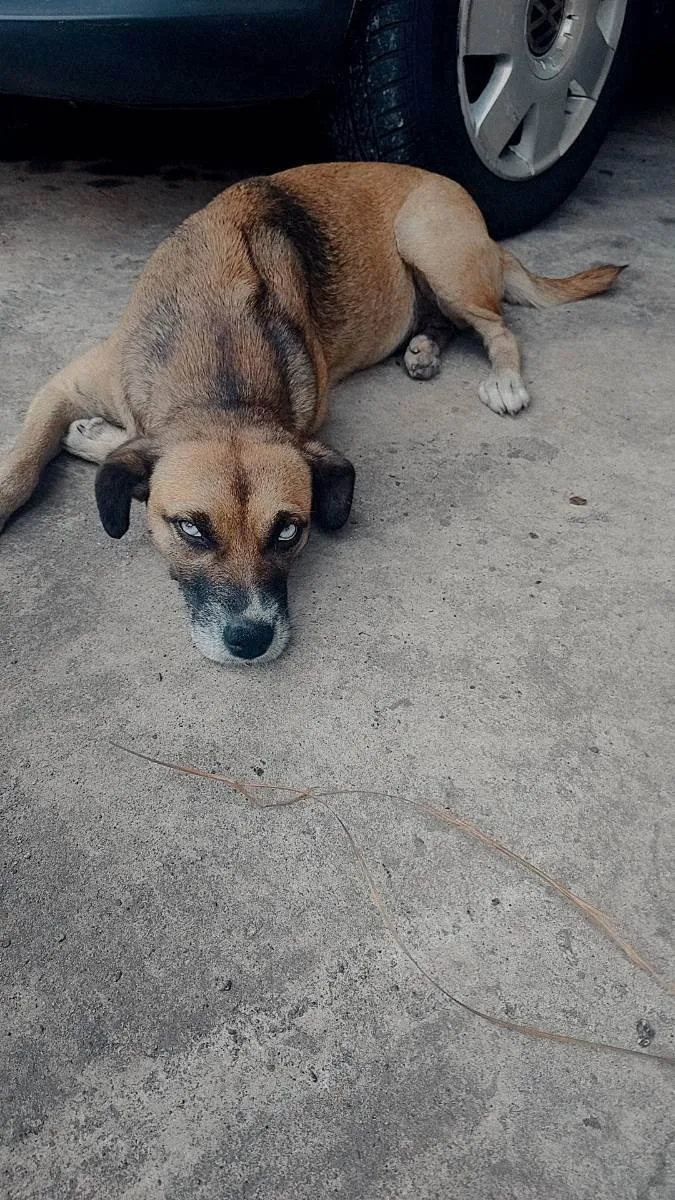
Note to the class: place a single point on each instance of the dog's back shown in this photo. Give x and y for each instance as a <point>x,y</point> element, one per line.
<point>307,256</point>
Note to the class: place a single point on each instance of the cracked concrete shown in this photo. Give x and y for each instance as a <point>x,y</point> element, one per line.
<point>198,998</point>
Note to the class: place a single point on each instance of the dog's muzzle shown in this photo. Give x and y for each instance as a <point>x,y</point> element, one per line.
<point>235,625</point>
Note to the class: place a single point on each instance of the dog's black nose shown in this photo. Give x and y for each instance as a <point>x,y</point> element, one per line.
<point>249,639</point>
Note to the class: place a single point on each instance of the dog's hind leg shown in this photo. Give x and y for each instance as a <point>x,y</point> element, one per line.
<point>442,236</point>
<point>93,439</point>
<point>84,388</point>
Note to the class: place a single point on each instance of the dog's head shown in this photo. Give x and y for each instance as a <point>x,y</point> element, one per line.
<point>230,511</point>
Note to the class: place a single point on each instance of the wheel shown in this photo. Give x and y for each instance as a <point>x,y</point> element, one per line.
<point>512,98</point>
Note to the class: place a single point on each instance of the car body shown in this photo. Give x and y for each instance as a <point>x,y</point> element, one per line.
<point>170,52</point>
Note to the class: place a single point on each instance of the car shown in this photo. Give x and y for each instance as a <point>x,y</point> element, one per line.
<point>512,98</point>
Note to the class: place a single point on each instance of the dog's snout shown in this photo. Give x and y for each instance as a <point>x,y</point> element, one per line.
<point>249,639</point>
<point>231,624</point>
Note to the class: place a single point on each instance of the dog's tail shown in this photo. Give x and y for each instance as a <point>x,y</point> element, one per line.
<point>522,287</point>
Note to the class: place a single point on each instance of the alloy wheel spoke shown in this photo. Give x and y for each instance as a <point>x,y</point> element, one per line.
<point>543,130</point>
<point>589,63</point>
<point>501,107</point>
<point>609,15</point>
<point>493,28</point>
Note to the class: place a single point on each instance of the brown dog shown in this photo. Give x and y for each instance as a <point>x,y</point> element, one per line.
<point>205,400</point>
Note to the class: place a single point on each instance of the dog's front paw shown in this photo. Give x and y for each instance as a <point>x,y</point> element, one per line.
<point>422,357</point>
<point>504,392</point>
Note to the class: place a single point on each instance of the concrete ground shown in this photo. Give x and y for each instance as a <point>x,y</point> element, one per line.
<point>198,998</point>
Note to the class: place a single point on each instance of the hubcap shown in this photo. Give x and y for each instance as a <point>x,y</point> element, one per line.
<point>530,73</point>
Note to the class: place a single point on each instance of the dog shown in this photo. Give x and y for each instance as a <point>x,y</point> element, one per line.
<point>206,400</point>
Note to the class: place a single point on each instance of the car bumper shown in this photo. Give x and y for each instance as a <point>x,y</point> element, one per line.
<point>170,52</point>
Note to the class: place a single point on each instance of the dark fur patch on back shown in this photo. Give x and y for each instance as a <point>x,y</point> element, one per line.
<point>285,336</point>
<point>157,332</point>
<point>285,214</point>
<point>229,389</point>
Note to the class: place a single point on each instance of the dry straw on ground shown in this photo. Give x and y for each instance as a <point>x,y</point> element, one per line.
<point>253,792</point>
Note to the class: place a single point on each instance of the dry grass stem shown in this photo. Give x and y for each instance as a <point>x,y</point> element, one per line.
<point>292,795</point>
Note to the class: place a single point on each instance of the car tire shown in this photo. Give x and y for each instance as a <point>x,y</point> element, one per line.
<point>403,95</point>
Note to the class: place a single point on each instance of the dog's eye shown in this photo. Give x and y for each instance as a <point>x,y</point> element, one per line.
<point>288,535</point>
<point>190,531</point>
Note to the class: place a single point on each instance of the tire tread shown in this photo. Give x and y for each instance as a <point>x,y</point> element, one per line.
<point>373,114</point>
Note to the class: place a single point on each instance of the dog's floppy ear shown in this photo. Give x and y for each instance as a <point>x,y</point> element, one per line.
<point>332,485</point>
<point>122,476</point>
